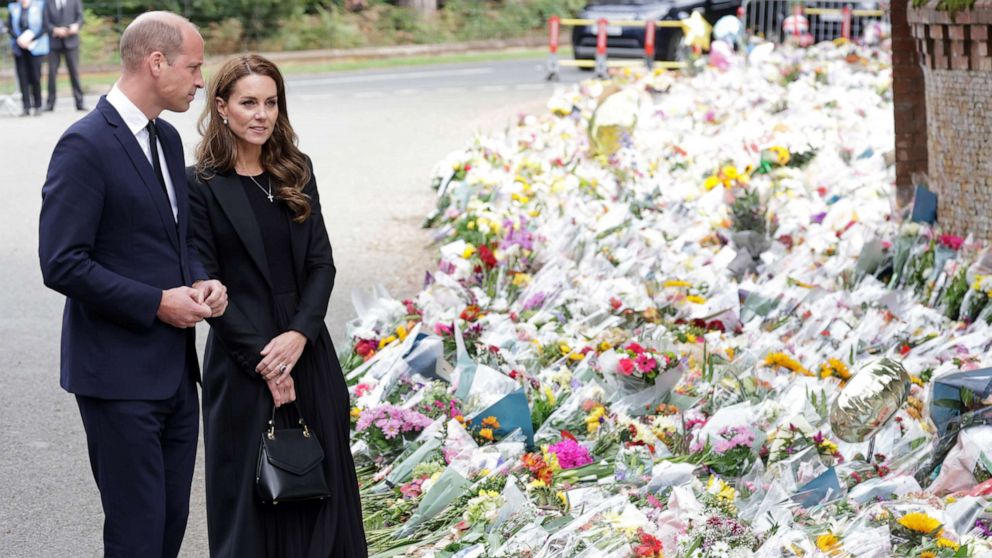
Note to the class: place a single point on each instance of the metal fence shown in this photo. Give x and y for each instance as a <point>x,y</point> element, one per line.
<point>813,20</point>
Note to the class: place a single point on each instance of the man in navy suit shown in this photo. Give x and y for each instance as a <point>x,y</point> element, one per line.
<point>114,240</point>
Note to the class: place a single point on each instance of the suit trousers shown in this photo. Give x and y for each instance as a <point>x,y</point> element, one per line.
<point>71,56</point>
<point>29,78</point>
<point>142,455</point>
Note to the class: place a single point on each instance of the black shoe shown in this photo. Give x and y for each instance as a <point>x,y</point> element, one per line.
<point>26,112</point>
<point>82,108</point>
<point>37,111</point>
<point>49,108</point>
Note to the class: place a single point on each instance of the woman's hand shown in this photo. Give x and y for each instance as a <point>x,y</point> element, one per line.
<point>280,356</point>
<point>282,392</point>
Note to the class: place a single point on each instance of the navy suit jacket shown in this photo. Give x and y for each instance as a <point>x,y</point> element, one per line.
<point>109,243</point>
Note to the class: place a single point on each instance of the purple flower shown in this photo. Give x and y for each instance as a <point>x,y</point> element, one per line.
<point>535,301</point>
<point>818,218</point>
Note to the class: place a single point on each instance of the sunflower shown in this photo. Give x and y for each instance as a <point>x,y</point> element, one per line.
<point>919,522</point>
<point>827,542</point>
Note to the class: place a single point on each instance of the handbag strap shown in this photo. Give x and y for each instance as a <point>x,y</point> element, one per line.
<point>271,432</point>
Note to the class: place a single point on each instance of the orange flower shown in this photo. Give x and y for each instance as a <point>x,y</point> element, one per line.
<point>490,422</point>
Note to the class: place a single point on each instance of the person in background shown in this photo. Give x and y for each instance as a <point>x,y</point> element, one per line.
<point>28,26</point>
<point>66,18</point>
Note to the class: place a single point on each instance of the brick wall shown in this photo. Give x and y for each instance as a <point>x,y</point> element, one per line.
<point>957,69</point>
<point>909,100</point>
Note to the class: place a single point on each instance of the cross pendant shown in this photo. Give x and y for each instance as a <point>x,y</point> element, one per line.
<point>270,198</point>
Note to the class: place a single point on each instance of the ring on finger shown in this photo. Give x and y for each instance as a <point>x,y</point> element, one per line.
<point>282,367</point>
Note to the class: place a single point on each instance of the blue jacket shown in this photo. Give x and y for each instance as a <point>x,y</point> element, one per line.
<point>108,241</point>
<point>34,18</point>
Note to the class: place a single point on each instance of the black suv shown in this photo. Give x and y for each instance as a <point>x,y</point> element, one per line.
<point>628,42</point>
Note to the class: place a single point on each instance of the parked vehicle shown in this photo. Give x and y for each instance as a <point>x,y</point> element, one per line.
<point>628,42</point>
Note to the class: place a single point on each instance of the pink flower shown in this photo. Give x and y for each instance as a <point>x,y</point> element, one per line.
<point>951,241</point>
<point>570,454</point>
<point>635,348</point>
<point>645,363</point>
<point>362,389</point>
<point>626,366</point>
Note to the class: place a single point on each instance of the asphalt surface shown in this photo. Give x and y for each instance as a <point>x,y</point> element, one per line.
<point>374,137</point>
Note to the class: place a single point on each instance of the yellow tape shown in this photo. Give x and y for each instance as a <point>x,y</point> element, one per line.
<point>835,11</point>
<point>620,23</point>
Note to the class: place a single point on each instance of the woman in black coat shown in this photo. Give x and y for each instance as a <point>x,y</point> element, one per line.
<point>257,224</point>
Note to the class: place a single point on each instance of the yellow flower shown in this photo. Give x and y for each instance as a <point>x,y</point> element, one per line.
<point>537,483</point>
<point>356,412</point>
<point>730,353</point>
<point>928,554</point>
<point>729,172</point>
<point>401,332</point>
<point>947,543</point>
<point>549,395</point>
<point>576,357</point>
<point>387,341</point>
<point>470,225</point>
<point>919,522</point>
<point>827,542</point>
<point>781,154</point>
<point>484,473</point>
<point>711,182</point>
<point>520,198</point>
<point>696,299</point>
<point>592,421</point>
<point>486,433</point>
<point>690,337</point>
<point>521,280</point>
<point>676,283</point>
<point>785,361</point>
<point>564,348</point>
<point>564,499</point>
<point>490,422</point>
<point>605,346</point>
<point>535,213</point>
<point>468,252</point>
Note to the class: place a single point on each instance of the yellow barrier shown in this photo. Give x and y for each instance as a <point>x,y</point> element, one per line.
<point>601,64</point>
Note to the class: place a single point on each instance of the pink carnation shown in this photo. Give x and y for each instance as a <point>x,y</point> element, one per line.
<point>626,366</point>
<point>570,454</point>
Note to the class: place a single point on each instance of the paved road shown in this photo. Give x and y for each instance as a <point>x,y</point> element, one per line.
<point>374,137</point>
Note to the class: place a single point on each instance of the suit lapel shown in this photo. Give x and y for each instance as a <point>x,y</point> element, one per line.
<point>231,197</point>
<point>175,162</point>
<point>144,169</point>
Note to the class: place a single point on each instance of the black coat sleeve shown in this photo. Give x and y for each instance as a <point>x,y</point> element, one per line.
<point>319,271</point>
<point>238,334</point>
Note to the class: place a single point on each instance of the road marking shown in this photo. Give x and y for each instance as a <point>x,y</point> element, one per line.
<point>390,77</point>
<point>406,91</point>
<point>493,88</point>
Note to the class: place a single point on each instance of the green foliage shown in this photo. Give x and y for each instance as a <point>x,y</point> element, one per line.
<point>98,41</point>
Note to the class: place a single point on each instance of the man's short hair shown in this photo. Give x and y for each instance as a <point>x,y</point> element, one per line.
<point>151,32</point>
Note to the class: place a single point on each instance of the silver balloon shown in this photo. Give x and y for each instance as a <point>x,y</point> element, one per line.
<point>869,400</point>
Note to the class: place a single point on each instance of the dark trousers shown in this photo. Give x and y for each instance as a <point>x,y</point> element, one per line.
<point>29,78</point>
<point>142,455</point>
<point>72,64</point>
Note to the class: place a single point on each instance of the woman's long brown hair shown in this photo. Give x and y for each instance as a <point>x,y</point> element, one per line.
<point>218,151</point>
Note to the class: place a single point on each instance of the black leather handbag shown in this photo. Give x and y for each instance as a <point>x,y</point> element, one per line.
<point>290,465</point>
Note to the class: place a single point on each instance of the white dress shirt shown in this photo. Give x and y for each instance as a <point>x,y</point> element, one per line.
<point>136,121</point>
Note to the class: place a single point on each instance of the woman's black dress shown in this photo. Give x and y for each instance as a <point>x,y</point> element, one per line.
<point>239,524</point>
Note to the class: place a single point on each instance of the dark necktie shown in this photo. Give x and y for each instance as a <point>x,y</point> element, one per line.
<point>153,143</point>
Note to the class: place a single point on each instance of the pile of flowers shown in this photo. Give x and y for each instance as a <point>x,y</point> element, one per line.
<point>646,303</point>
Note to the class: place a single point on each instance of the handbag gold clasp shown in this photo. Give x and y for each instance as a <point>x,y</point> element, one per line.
<point>271,433</point>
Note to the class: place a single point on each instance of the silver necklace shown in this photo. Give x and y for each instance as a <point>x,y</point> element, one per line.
<point>267,192</point>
